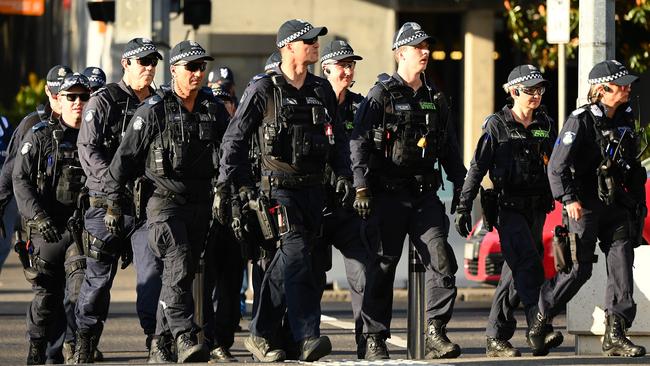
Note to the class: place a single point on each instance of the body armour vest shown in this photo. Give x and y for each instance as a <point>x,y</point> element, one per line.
<point>187,147</point>
<point>296,129</point>
<point>413,133</point>
<point>525,171</point>
<point>59,172</point>
<point>127,106</point>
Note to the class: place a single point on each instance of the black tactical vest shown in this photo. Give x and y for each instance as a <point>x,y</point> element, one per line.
<point>188,146</point>
<point>126,105</point>
<point>413,133</point>
<point>59,173</point>
<point>526,167</point>
<point>295,129</point>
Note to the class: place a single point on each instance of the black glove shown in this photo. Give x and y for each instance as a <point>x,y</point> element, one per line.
<point>463,222</point>
<point>126,256</point>
<point>114,219</point>
<point>456,199</point>
<point>222,197</point>
<point>46,227</point>
<point>246,194</point>
<point>344,189</point>
<point>363,202</point>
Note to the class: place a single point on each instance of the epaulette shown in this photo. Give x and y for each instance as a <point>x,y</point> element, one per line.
<point>154,99</point>
<point>39,126</point>
<point>578,111</point>
<point>96,92</point>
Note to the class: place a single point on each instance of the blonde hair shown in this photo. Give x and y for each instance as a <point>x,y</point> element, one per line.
<point>594,96</point>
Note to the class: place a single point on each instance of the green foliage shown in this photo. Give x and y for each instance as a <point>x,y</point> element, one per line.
<point>28,97</point>
<point>526,20</point>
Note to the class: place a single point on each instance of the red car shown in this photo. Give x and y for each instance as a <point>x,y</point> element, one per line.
<point>483,258</point>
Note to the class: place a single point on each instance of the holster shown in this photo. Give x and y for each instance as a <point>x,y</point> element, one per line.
<point>142,191</point>
<point>568,249</point>
<point>265,217</point>
<point>490,207</point>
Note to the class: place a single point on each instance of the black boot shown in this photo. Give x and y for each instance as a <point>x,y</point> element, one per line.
<point>85,348</point>
<point>500,348</point>
<point>189,350</point>
<point>615,343</point>
<point>536,334</point>
<point>376,348</point>
<point>36,353</point>
<point>261,349</point>
<point>437,343</point>
<point>313,349</point>
<point>160,350</point>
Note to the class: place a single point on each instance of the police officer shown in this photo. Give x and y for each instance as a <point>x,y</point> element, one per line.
<point>514,147</point>
<point>224,77</point>
<point>105,118</point>
<point>96,76</point>
<point>226,97</point>
<point>48,180</point>
<point>6,130</point>
<point>272,61</point>
<point>47,112</point>
<point>341,225</point>
<point>401,131</point>
<point>595,173</point>
<point>289,109</point>
<point>174,139</point>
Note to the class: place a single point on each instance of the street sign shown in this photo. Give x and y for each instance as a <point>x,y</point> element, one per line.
<point>558,27</point>
<point>22,7</point>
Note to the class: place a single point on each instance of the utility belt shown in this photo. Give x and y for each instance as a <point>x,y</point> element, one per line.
<point>525,203</point>
<point>291,181</point>
<point>98,202</point>
<point>194,196</point>
<point>418,184</point>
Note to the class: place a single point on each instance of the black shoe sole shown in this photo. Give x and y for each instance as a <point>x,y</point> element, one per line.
<point>199,355</point>
<point>453,353</point>
<point>257,356</point>
<point>323,349</point>
<point>613,353</point>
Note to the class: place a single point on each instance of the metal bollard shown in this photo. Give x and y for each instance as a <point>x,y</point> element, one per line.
<point>415,325</point>
<point>198,293</point>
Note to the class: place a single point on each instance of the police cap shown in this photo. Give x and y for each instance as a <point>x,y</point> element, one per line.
<point>139,48</point>
<point>297,29</point>
<point>611,71</point>
<point>188,51</point>
<point>223,75</point>
<point>526,75</point>
<point>273,61</point>
<point>96,76</point>
<point>75,79</point>
<point>55,77</point>
<point>220,92</point>
<point>338,50</point>
<point>410,34</point>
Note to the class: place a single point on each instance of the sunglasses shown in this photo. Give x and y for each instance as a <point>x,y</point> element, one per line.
<point>147,61</point>
<point>195,66</point>
<point>310,41</point>
<point>71,97</point>
<point>539,90</point>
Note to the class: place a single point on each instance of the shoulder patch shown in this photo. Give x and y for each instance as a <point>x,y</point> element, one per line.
<point>89,115</point>
<point>568,137</point>
<point>629,109</point>
<point>137,123</point>
<point>577,112</point>
<point>26,147</point>
<point>39,126</point>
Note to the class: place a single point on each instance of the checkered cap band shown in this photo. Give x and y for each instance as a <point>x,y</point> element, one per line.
<point>335,54</point>
<point>270,66</point>
<point>180,56</point>
<point>416,35</point>
<point>96,79</point>
<point>146,47</point>
<point>53,84</point>
<point>607,79</point>
<point>293,37</point>
<point>532,76</point>
<point>75,79</point>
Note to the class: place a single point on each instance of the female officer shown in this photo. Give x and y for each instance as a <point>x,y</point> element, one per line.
<point>514,147</point>
<point>594,172</point>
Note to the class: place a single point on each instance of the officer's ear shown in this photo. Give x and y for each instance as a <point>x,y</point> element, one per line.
<point>124,62</point>
<point>172,70</point>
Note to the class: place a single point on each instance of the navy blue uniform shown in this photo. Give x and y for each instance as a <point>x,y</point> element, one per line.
<point>403,182</point>
<point>516,158</point>
<point>177,150</point>
<point>43,188</point>
<point>573,175</point>
<point>294,178</point>
<point>105,118</point>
